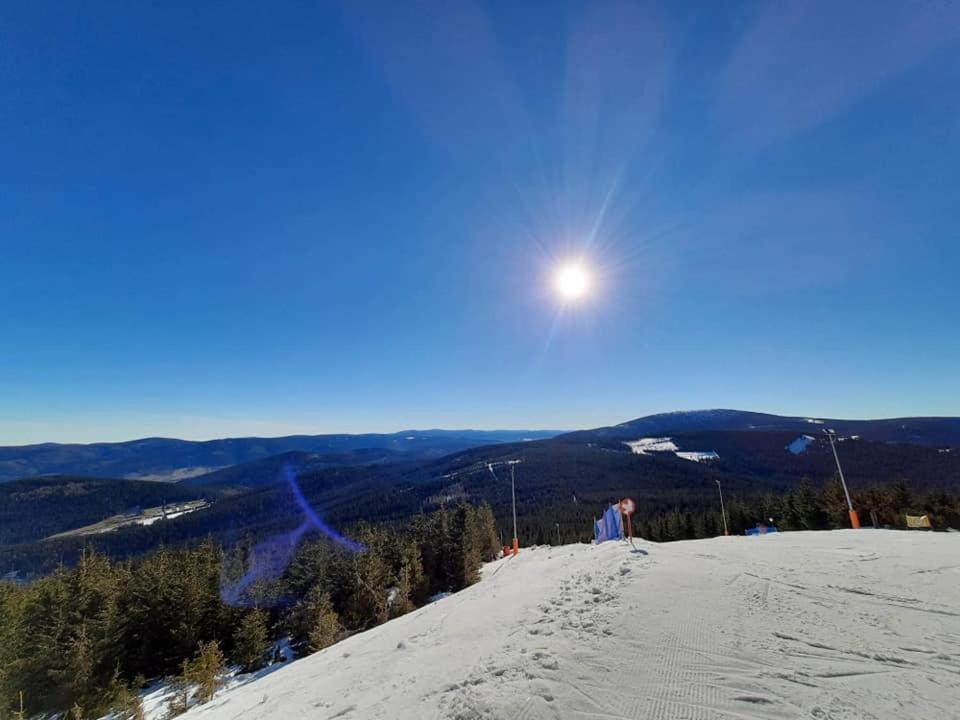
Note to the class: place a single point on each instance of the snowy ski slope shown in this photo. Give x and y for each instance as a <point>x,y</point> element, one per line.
<point>844,624</point>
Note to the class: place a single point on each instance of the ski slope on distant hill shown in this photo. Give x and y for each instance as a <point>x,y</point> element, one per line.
<point>840,624</point>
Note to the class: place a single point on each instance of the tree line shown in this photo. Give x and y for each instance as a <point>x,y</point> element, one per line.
<point>85,639</point>
<point>809,506</point>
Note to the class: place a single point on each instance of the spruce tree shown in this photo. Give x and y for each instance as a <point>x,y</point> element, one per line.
<point>410,585</point>
<point>488,541</point>
<point>460,548</point>
<point>205,670</point>
<point>179,702</point>
<point>325,628</point>
<point>835,503</point>
<point>900,498</point>
<point>810,513</point>
<point>366,578</point>
<point>251,641</point>
<point>125,701</point>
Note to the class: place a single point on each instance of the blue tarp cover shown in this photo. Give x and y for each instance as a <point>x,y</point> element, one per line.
<point>599,530</point>
<point>610,526</point>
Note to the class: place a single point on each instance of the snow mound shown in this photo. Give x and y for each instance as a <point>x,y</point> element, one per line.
<point>801,444</point>
<point>795,625</point>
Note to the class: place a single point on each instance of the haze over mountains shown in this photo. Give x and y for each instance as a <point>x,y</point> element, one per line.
<point>170,459</point>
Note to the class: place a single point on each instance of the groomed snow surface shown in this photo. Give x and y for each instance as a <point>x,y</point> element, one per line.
<point>844,624</point>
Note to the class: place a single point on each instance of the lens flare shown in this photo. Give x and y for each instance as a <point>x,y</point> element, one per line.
<point>269,559</point>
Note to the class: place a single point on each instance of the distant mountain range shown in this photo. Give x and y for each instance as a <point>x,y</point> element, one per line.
<point>663,461</point>
<point>169,460</point>
<point>930,431</point>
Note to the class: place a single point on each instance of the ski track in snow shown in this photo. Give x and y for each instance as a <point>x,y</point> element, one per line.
<point>832,626</point>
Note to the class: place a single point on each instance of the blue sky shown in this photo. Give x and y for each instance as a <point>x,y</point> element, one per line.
<point>236,218</point>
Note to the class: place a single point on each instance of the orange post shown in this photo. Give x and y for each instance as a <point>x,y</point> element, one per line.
<point>854,520</point>
<point>516,546</point>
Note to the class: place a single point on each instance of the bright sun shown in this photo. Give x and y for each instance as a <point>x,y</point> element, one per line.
<point>571,281</point>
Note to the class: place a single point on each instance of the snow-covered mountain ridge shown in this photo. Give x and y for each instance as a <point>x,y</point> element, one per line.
<point>843,624</point>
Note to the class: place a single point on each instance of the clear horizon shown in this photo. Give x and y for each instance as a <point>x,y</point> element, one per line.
<point>350,217</point>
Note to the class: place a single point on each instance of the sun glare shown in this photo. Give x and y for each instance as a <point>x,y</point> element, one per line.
<point>572,281</point>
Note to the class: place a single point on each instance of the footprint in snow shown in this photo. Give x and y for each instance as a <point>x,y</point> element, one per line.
<point>546,661</point>
<point>342,713</point>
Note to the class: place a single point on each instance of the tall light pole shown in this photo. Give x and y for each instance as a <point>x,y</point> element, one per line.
<point>723,513</point>
<point>854,518</point>
<point>513,496</point>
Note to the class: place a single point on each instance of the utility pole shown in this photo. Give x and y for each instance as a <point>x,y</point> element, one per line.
<point>513,494</point>
<point>854,518</point>
<point>723,513</point>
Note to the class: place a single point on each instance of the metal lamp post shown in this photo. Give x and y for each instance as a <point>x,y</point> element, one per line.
<point>723,513</point>
<point>854,518</point>
<point>478,467</point>
<point>513,497</point>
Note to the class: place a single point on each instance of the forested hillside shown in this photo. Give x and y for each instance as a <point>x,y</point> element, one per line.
<point>937,432</point>
<point>86,638</point>
<point>40,507</point>
<point>562,482</point>
<point>261,473</point>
